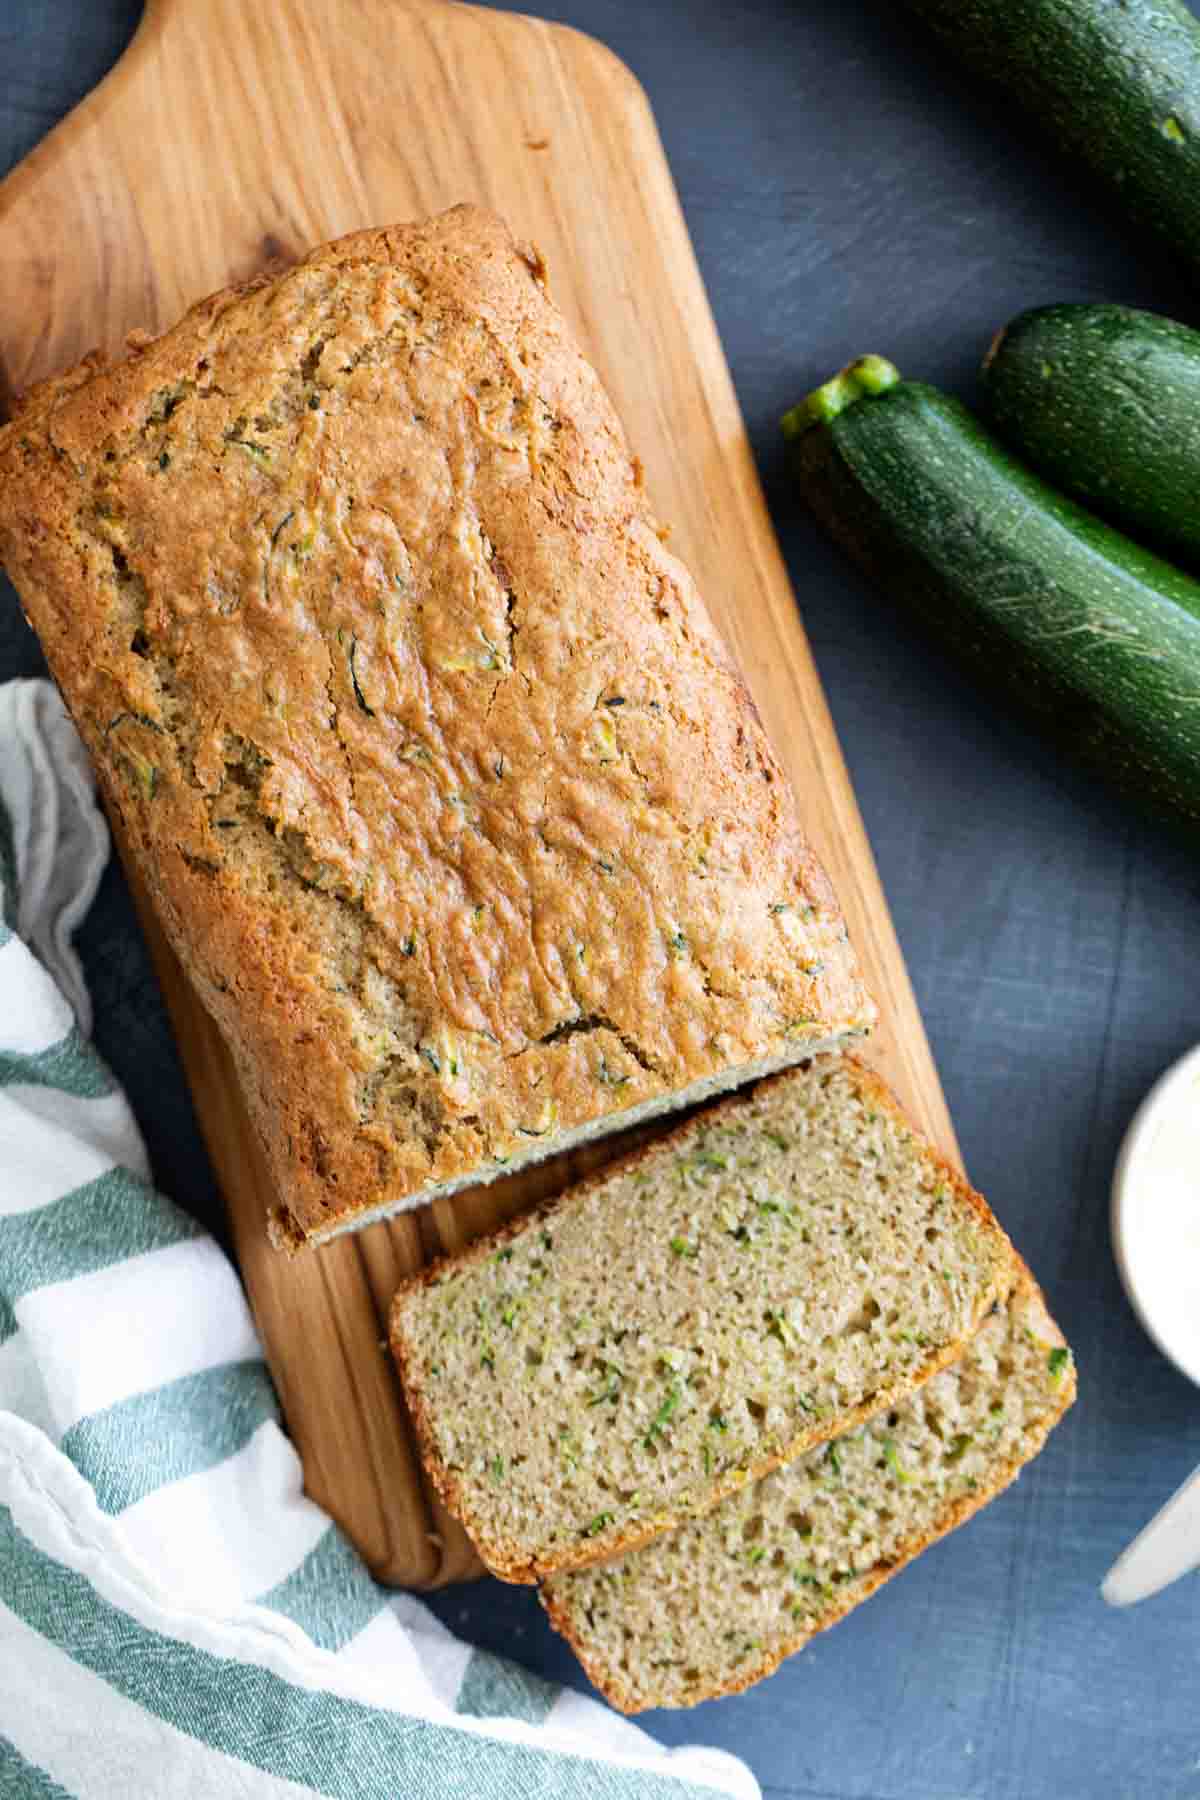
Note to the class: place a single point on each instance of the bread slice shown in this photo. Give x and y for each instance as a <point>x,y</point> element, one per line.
<point>443,785</point>
<point>718,1604</point>
<point>757,1281</point>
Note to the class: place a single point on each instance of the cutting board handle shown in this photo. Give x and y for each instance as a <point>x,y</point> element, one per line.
<point>245,90</point>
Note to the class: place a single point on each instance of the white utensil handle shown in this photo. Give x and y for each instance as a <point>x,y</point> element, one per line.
<point>1167,1548</point>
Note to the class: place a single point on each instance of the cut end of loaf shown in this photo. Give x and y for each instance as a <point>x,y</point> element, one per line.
<point>288,1233</point>
<point>721,1602</point>
<point>769,1273</point>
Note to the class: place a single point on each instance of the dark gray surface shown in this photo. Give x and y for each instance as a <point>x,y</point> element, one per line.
<point>846,192</point>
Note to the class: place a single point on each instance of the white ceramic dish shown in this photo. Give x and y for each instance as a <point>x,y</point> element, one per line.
<point>1156,1213</point>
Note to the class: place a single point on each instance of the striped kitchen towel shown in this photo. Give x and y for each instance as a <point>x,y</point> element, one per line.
<point>176,1618</point>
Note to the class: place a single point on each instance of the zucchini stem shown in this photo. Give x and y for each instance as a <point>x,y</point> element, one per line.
<point>864,376</point>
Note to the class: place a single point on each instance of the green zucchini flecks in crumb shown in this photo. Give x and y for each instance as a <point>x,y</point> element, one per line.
<point>717,1304</point>
<point>965,1434</point>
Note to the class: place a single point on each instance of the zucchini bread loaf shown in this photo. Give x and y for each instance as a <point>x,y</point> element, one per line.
<point>764,1277</point>
<point>443,786</point>
<point>718,1604</point>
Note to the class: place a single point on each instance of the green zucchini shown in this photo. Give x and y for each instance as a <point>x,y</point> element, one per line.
<point>1115,83</point>
<point>1094,637</point>
<point>1104,401</point>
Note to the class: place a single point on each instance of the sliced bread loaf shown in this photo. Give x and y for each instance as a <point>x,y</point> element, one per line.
<point>767,1275</point>
<point>446,793</point>
<point>718,1604</point>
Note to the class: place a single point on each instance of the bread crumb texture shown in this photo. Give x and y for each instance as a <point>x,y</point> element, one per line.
<point>720,1602</point>
<point>747,1287</point>
<point>447,795</point>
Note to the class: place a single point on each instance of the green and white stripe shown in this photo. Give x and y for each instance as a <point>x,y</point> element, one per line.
<point>175,1614</point>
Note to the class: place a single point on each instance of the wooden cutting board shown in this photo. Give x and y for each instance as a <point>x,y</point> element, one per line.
<point>232,134</point>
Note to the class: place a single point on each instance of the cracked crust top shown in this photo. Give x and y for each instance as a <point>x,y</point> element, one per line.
<point>448,797</point>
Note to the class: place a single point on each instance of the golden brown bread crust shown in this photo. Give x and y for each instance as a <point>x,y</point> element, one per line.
<point>955,1514</point>
<point>509,1561</point>
<point>443,787</point>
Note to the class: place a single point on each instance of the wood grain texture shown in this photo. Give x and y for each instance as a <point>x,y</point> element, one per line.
<point>231,135</point>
